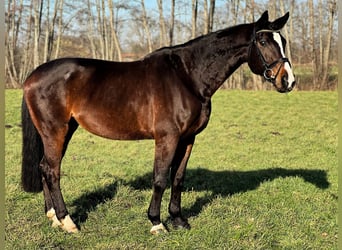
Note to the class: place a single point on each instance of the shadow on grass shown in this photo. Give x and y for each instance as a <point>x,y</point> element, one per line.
<point>90,200</point>
<point>223,183</point>
<point>226,183</point>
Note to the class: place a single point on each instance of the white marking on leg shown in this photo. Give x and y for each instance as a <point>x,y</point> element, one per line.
<point>51,214</point>
<point>157,229</point>
<point>68,225</point>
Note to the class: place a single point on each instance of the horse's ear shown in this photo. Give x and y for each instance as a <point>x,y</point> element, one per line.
<point>262,23</point>
<point>280,22</point>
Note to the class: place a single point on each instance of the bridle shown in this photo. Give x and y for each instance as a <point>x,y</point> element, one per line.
<point>268,73</point>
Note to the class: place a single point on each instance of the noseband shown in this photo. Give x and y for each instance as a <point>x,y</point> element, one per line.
<point>268,73</point>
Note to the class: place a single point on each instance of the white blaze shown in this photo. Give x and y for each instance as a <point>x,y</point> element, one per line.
<point>291,79</point>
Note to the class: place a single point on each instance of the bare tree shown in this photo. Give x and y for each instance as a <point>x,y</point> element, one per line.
<point>286,32</point>
<point>102,28</point>
<point>146,27</point>
<point>312,40</point>
<point>332,7</point>
<point>194,7</point>
<point>60,28</point>
<point>115,40</point>
<point>235,10</point>
<point>162,25</point>
<point>205,17</point>
<point>172,22</point>
<point>102,31</point>
<point>91,30</point>
<point>211,15</point>
<point>50,30</point>
<point>38,12</point>
<point>16,63</point>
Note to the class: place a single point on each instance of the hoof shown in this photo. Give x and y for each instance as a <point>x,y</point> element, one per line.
<point>179,223</point>
<point>158,229</point>
<point>68,225</point>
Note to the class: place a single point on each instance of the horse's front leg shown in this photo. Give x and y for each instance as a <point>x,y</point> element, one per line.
<point>164,152</point>
<point>177,179</point>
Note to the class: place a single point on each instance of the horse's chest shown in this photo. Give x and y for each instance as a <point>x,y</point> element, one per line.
<point>202,120</point>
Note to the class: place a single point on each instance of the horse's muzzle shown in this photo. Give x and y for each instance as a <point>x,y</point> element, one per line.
<point>286,86</point>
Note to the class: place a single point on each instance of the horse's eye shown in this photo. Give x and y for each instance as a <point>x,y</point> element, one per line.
<point>263,43</point>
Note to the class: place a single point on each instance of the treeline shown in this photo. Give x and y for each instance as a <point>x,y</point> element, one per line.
<point>42,30</point>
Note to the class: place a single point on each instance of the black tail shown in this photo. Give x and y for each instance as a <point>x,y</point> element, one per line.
<point>32,153</point>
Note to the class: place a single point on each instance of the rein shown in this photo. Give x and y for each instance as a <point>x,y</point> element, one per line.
<point>268,73</point>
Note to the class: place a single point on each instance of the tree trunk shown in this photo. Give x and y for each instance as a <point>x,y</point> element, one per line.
<point>211,15</point>
<point>194,18</point>
<point>38,11</point>
<point>60,28</point>
<point>172,23</point>
<point>91,31</point>
<point>146,27</point>
<point>320,30</point>
<point>10,44</point>
<point>27,53</point>
<point>100,26</point>
<point>332,12</point>
<point>50,31</point>
<point>113,31</point>
<point>162,28</point>
<point>312,42</point>
<point>205,17</point>
<point>104,34</point>
<point>287,37</point>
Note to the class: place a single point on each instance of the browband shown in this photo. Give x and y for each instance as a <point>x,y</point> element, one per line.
<point>269,31</point>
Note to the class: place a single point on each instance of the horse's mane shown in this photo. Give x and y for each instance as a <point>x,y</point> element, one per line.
<point>216,34</point>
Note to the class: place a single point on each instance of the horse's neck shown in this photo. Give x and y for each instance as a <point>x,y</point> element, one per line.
<point>211,60</point>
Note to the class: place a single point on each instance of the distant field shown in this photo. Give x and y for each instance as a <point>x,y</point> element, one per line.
<point>263,175</point>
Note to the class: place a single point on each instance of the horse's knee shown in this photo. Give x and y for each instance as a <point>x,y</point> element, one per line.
<point>159,185</point>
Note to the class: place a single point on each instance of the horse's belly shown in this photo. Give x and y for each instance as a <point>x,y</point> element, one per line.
<point>116,128</point>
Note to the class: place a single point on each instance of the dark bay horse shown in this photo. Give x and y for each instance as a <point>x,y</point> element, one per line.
<point>165,96</point>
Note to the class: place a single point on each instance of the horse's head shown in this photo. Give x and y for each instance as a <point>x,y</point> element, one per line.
<point>266,53</point>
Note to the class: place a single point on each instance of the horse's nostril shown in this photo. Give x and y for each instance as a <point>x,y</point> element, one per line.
<point>284,82</point>
<point>291,86</point>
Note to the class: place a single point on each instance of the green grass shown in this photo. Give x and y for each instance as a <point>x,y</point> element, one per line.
<point>263,175</point>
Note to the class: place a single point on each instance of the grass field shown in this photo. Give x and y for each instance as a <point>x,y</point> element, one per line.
<point>263,175</point>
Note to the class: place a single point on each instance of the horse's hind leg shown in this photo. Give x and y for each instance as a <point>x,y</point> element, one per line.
<point>55,140</point>
<point>49,209</point>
